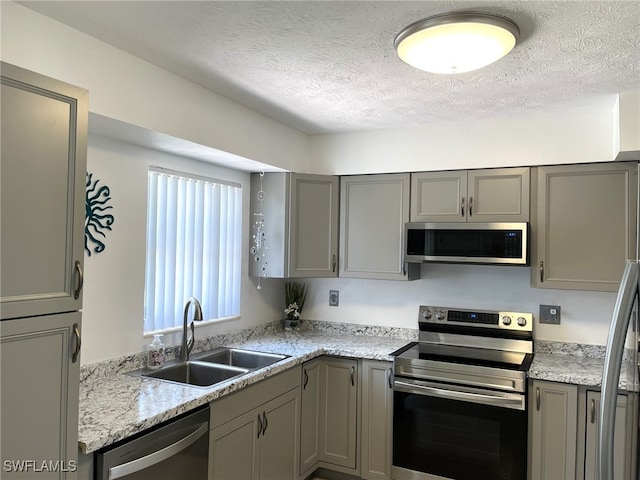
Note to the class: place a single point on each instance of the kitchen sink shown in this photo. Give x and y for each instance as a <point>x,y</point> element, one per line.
<point>201,374</point>
<point>208,368</point>
<point>236,357</point>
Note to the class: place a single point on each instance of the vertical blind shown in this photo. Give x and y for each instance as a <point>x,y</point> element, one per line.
<point>194,229</point>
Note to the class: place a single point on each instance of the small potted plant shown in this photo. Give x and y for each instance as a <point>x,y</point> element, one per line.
<point>294,296</point>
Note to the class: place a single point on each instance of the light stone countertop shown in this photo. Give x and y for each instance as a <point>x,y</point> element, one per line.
<point>114,406</point>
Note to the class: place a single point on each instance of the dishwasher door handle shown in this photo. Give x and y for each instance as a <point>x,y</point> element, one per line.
<point>157,457</point>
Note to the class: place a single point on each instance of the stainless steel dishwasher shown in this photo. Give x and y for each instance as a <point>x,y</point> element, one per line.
<point>176,449</point>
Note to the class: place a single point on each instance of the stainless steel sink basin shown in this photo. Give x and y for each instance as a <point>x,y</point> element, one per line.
<point>202,374</point>
<point>240,358</point>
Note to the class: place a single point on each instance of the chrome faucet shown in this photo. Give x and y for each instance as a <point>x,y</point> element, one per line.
<point>187,345</point>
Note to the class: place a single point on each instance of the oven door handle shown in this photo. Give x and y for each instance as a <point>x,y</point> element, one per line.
<point>134,466</point>
<point>514,402</point>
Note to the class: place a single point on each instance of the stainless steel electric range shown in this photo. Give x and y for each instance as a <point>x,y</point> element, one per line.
<point>460,402</point>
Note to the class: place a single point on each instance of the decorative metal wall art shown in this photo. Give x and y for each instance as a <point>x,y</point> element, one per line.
<point>96,220</point>
<point>259,248</point>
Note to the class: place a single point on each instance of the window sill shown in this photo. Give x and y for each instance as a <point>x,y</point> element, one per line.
<point>204,323</point>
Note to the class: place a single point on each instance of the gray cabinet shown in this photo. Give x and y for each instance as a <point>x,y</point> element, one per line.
<point>624,441</point>
<point>492,195</point>
<point>310,417</point>
<point>338,412</point>
<point>39,394</point>
<point>377,420</point>
<point>254,432</point>
<point>584,225</point>
<point>553,419</point>
<point>44,153</point>
<point>373,212</point>
<point>295,216</point>
<point>44,147</point>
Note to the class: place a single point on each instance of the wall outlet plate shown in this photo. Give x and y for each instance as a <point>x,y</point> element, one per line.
<point>550,314</point>
<point>334,298</point>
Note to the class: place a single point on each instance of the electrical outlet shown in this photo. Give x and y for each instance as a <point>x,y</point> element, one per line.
<point>550,314</point>
<point>334,298</point>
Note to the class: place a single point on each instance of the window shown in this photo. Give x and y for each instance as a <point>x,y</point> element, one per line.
<point>194,229</point>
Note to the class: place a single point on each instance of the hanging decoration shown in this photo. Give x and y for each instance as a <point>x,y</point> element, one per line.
<point>259,248</point>
<point>96,220</point>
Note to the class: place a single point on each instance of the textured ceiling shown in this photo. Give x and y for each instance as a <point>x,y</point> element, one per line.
<point>329,66</point>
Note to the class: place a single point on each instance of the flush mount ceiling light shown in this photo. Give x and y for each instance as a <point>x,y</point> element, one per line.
<point>456,42</point>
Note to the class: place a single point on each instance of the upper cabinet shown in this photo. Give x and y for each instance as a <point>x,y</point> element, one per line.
<point>294,225</point>
<point>584,225</point>
<point>492,195</point>
<point>44,154</point>
<point>373,212</point>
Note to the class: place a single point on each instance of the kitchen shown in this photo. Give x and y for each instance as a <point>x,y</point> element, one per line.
<point>591,132</point>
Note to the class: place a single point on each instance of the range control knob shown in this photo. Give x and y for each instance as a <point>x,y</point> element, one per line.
<point>440,315</point>
<point>522,321</point>
<point>426,314</point>
<point>506,320</point>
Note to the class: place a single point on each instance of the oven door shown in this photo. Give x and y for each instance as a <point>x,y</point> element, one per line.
<point>458,432</point>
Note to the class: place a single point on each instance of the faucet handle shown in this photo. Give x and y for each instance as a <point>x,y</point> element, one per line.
<point>191,340</point>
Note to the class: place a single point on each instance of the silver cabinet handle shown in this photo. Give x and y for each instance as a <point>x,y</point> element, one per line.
<point>265,423</point>
<point>154,458</point>
<point>538,398</point>
<point>78,267</point>
<point>353,379</point>
<point>471,206</point>
<point>541,272</point>
<point>306,379</point>
<point>333,263</point>
<point>76,351</point>
<point>593,411</point>
<point>462,207</point>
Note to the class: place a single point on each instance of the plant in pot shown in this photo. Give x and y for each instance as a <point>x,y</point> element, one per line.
<point>294,296</point>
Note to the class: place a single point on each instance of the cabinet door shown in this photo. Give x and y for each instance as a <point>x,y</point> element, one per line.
<point>233,448</point>
<point>313,247</point>
<point>373,212</point>
<point>377,420</point>
<point>439,196</point>
<point>621,452</point>
<point>44,148</point>
<point>310,416</point>
<point>278,443</point>
<point>39,393</point>
<point>498,195</point>
<point>553,424</point>
<point>338,402</point>
<point>585,225</point>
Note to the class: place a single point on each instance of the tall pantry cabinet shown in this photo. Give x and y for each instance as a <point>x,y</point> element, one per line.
<point>42,202</point>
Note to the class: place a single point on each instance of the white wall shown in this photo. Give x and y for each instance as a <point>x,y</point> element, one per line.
<point>128,89</point>
<point>585,316</point>
<point>585,134</point>
<point>114,279</point>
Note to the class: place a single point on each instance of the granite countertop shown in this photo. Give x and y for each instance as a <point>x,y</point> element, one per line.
<point>114,405</point>
<point>577,364</point>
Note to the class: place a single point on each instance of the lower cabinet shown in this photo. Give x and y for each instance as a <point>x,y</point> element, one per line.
<point>254,439</point>
<point>563,423</point>
<point>346,417</point>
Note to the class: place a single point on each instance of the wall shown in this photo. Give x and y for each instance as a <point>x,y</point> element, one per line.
<point>114,279</point>
<point>585,315</point>
<point>128,89</point>
<point>585,134</point>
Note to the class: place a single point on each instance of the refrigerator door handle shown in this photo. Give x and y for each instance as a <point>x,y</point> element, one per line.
<point>612,363</point>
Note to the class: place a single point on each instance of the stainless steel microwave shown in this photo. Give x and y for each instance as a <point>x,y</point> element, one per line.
<point>481,243</point>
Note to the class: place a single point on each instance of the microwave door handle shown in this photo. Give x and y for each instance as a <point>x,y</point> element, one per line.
<point>154,458</point>
<point>508,402</point>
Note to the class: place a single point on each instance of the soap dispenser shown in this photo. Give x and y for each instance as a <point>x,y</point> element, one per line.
<point>155,353</point>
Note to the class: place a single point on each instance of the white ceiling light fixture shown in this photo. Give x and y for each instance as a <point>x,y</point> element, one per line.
<point>456,42</point>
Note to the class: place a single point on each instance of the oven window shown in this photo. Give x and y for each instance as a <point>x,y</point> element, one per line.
<point>459,440</point>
